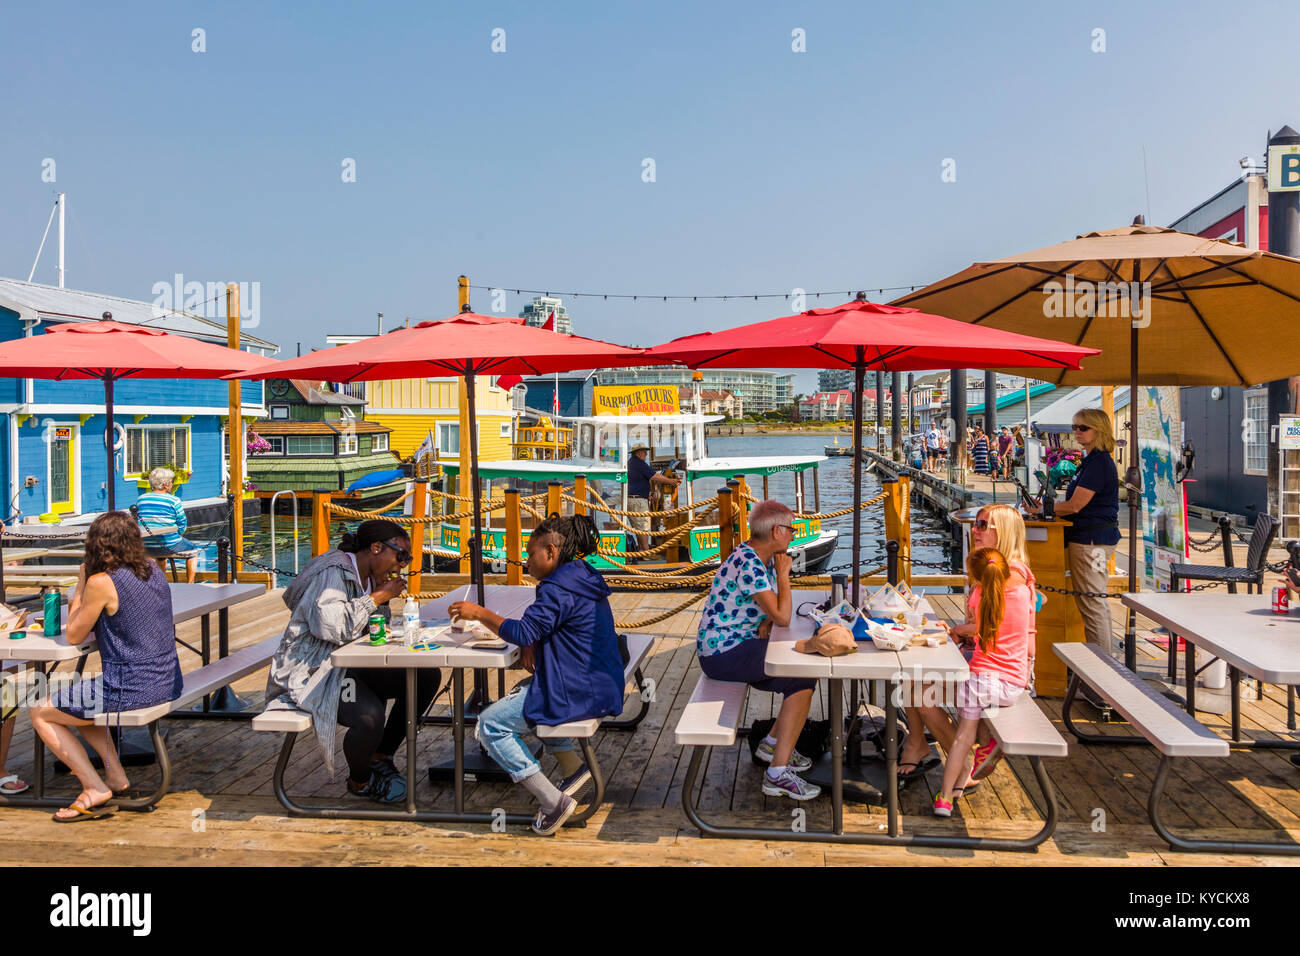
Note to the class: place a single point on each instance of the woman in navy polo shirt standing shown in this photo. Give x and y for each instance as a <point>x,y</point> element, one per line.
<point>1092,505</point>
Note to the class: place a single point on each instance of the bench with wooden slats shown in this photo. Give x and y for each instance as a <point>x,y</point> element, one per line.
<point>1162,725</point>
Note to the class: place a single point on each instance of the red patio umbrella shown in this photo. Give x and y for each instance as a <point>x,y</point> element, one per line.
<point>863,335</point>
<point>110,351</point>
<point>468,345</point>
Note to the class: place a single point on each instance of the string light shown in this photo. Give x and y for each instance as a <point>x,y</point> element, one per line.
<point>606,296</point>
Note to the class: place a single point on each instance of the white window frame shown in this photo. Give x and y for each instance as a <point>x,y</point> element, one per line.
<point>347,413</point>
<point>348,444</point>
<point>279,413</point>
<point>274,440</point>
<point>505,429</point>
<point>444,447</point>
<point>1255,409</point>
<point>375,440</point>
<point>126,449</point>
<point>307,454</point>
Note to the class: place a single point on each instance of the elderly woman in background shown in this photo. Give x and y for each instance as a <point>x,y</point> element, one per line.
<point>750,593</point>
<point>122,596</point>
<point>159,508</point>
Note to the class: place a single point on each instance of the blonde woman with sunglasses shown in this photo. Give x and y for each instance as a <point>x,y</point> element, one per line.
<point>1092,505</point>
<point>1000,527</point>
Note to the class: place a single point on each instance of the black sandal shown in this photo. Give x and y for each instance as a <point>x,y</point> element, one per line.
<point>919,768</point>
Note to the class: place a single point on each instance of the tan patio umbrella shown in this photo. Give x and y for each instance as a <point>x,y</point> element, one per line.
<point>1164,307</point>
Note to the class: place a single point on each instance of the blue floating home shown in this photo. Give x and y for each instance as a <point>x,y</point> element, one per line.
<point>51,431</point>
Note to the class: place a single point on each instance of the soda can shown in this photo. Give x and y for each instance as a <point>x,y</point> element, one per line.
<point>1280,602</point>
<point>377,634</point>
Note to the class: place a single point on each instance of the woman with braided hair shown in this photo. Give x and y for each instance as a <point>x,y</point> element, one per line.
<point>577,667</point>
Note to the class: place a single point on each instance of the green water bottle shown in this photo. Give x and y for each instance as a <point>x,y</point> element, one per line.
<point>53,602</point>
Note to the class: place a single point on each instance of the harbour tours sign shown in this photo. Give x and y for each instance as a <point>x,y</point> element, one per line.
<point>635,400</point>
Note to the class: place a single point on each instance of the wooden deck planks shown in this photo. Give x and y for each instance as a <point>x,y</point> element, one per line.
<point>224,769</point>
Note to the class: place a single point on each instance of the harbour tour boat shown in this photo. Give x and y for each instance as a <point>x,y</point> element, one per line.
<point>601,450</point>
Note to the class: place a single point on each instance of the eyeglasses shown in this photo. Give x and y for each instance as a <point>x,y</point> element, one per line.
<point>982,524</point>
<point>1082,428</point>
<point>788,527</point>
<point>403,556</point>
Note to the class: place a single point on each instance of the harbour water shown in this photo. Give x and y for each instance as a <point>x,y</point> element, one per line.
<point>930,535</point>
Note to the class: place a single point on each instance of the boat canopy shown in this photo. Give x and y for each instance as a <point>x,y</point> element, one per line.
<point>767,465</point>
<point>543,470</point>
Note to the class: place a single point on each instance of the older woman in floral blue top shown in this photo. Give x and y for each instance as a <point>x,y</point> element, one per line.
<point>751,592</point>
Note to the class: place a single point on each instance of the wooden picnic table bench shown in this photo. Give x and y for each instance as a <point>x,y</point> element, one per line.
<point>1161,723</point>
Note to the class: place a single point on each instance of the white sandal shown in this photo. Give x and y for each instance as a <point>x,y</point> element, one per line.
<point>13,778</point>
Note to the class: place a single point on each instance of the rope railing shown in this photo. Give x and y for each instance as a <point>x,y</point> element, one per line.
<point>599,505</point>
<point>495,504</point>
<point>822,515</point>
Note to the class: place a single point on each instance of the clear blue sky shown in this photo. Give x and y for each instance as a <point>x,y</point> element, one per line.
<point>774,169</point>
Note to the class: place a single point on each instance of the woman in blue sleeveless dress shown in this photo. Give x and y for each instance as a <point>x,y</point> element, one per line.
<point>123,598</point>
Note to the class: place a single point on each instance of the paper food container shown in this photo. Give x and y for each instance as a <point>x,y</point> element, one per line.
<point>890,637</point>
<point>887,603</point>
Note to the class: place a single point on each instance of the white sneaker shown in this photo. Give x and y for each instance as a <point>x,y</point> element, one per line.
<point>798,762</point>
<point>788,784</point>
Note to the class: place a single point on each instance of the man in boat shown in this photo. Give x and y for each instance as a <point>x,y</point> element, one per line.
<point>640,476</point>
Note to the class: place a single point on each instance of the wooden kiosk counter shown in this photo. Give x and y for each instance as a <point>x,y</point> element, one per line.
<point>1059,619</point>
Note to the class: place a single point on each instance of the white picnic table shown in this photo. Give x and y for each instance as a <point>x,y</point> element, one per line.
<point>1240,629</point>
<point>508,601</point>
<point>908,670</point>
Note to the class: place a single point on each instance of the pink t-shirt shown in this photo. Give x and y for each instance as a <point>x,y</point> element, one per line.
<point>1009,659</point>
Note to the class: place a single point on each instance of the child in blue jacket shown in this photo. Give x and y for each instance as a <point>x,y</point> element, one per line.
<point>568,632</point>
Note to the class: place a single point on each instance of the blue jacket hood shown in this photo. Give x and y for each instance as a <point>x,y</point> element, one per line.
<point>579,578</point>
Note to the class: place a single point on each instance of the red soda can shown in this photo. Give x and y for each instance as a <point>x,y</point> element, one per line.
<point>1280,603</point>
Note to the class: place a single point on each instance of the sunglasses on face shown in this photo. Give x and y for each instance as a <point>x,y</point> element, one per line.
<point>1082,428</point>
<point>788,527</point>
<point>982,524</point>
<point>403,555</point>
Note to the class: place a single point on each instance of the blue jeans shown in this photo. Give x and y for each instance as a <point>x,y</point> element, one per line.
<point>500,729</point>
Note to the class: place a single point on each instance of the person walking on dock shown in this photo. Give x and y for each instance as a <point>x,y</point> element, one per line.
<point>932,439</point>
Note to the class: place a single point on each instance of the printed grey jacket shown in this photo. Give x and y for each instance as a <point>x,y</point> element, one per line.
<point>328,610</point>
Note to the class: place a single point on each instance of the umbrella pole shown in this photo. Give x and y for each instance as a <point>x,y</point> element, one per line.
<point>476,538</point>
<point>1134,481</point>
<point>108,442</point>
<point>859,376</point>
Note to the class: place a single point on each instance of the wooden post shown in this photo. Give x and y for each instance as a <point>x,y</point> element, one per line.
<point>235,435</point>
<point>893,516</point>
<point>320,522</point>
<point>817,492</point>
<point>580,492</point>
<point>419,508</point>
<point>462,539</point>
<point>514,538</point>
<point>553,503</point>
<point>674,554</point>
<point>742,508</point>
<point>905,529</point>
<point>725,540</point>
<point>765,494</point>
